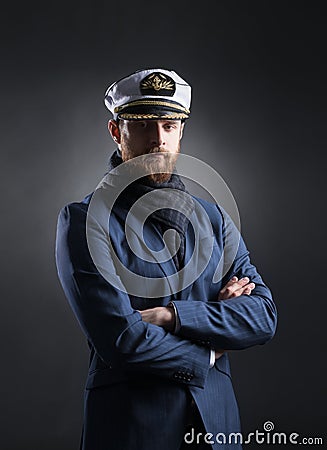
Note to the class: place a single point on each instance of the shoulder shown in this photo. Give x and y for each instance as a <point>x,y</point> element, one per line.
<point>76,208</point>
<point>71,228</point>
<point>214,211</point>
<point>74,214</point>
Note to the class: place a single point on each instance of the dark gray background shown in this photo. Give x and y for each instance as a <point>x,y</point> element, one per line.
<point>258,71</point>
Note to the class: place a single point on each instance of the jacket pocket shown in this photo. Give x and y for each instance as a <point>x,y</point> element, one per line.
<point>104,377</point>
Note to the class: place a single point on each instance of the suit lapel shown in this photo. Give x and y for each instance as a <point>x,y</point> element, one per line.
<point>157,261</point>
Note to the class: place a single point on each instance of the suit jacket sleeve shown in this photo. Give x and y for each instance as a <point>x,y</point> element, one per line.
<point>235,323</point>
<point>106,316</point>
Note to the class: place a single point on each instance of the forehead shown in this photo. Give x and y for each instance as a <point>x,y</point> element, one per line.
<point>141,126</point>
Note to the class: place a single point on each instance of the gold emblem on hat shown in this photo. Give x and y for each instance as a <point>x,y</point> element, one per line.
<point>157,81</point>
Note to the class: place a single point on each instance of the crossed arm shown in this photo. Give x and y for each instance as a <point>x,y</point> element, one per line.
<point>165,316</point>
<point>138,340</point>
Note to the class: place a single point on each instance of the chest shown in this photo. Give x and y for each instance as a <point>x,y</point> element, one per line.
<point>146,265</point>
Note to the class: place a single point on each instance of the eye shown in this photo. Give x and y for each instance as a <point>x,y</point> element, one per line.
<point>169,126</point>
<point>142,124</point>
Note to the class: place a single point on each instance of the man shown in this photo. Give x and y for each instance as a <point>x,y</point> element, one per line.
<point>158,329</point>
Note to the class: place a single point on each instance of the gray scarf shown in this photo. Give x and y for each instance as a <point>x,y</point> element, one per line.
<point>165,218</point>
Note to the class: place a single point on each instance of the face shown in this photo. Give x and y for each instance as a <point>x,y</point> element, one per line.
<point>160,139</point>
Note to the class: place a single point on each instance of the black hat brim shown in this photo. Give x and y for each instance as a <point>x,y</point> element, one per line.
<point>146,112</point>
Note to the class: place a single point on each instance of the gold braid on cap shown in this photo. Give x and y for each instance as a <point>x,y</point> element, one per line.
<point>173,116</point>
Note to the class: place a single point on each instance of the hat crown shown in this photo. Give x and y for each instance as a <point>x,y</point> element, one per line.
<point>165,87</point>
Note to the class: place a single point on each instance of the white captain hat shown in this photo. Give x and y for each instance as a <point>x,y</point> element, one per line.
<point>149,94</point>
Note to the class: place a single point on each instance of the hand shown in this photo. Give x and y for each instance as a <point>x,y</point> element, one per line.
<point>162,316</point>
<point>219,353</point>
<point>235,288</point>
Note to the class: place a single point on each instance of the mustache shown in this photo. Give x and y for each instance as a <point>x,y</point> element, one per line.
<point>157,150</point>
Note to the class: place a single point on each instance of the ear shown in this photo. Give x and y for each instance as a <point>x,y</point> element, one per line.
<point>114,130</point>
<point>181,130</point>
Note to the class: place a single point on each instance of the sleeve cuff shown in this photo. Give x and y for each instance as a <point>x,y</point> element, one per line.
<point>212,358</point>
<point>177,321</point>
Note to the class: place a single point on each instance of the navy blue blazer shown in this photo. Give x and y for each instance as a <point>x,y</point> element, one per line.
<point>140,376</point>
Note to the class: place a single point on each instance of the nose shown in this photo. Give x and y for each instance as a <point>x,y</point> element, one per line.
<point>157,135</point>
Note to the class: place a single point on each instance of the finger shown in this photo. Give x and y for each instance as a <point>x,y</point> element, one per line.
<point>243,281</point>
<point>231,287</point>
<point>221,294</point>
<point>244,290</point>
<point>230,282</point>
<point>239,283</point>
